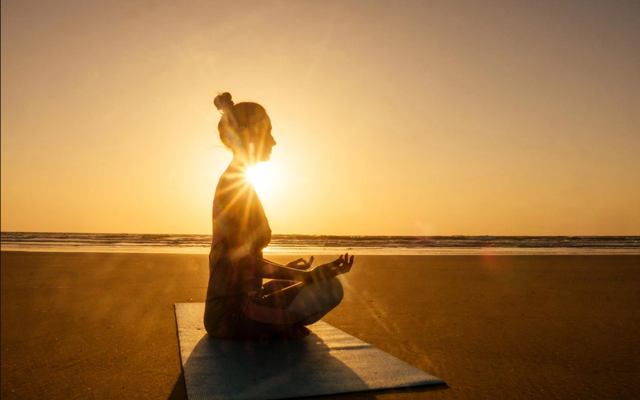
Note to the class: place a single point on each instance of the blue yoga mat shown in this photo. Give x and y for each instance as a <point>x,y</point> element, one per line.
<point>328,361</point>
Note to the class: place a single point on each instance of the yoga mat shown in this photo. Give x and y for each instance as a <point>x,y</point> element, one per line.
<point>328,361</point>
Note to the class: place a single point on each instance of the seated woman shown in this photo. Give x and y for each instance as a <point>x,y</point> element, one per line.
<point>238,305</point>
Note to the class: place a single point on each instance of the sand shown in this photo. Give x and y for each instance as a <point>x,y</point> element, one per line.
<point>88,325</point>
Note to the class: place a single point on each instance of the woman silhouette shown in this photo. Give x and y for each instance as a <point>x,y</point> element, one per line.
<point>238,305</point>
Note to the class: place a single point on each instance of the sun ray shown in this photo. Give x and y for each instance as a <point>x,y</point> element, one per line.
<point>234,199</point>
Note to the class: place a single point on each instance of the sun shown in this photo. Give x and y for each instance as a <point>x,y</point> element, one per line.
<point>261,177</point>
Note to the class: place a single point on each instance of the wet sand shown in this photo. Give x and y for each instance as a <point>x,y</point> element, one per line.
<point>89,325</point>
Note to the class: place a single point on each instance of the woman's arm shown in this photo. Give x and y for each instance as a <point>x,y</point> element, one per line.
<point>268,269</point>
<point>300,263</point>
<point>271,270</point>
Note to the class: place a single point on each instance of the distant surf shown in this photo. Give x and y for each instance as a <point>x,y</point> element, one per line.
<point>326,244</point>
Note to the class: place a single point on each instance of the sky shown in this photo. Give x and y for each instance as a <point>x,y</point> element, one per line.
<point>391,118</point>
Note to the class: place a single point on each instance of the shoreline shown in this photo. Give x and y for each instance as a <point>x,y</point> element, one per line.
<point>449,252</point>
<point>327,244</point>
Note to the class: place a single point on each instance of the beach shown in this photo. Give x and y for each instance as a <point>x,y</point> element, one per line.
<point>102,325</point>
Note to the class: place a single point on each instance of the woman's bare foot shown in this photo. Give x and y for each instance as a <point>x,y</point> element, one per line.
<point>296,332</point>
<point>304,329</point>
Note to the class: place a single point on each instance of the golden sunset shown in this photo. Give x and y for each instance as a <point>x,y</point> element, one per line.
<point>282,199</point>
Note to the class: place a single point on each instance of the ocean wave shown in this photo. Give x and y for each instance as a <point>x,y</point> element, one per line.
<point>288,243</point>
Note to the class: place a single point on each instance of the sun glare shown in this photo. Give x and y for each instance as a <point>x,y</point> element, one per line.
<point>261,177</point>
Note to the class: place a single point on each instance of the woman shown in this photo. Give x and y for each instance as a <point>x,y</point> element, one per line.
<point>238,305</point>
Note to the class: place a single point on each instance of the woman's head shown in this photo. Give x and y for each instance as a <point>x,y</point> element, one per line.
<point>245,128</point>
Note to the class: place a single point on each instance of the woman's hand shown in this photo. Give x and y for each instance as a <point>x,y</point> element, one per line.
<point>327,271</point>
<point>345,265</point>
<point>301,264</point>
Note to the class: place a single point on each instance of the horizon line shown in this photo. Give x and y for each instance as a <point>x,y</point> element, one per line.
<point>306,234</point>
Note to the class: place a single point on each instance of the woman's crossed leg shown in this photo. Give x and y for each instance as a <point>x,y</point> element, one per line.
<point>290,305</point>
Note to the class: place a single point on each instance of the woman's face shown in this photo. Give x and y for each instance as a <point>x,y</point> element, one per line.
<point>264,141</point>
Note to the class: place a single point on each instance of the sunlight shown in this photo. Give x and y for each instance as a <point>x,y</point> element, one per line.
<point>261,176</point>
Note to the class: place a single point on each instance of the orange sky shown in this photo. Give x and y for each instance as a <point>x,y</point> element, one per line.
<point>414,118</point>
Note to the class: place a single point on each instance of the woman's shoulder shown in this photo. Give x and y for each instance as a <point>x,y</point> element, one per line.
<point>233,189</point>
<point>231,180</point>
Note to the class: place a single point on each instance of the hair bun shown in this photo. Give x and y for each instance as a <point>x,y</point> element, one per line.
<point>223,102</point>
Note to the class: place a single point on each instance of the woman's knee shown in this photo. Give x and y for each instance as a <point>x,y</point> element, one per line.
<point>331,289</point>
<point>336,289</point>
<point>318,297</point>
<point>332,292</point>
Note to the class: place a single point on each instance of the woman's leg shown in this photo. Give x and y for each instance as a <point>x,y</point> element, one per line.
<point>301,303</point>
<point>312,319</point>
<point>318,298</point>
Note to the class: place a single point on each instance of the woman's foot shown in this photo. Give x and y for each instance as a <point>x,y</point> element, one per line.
<point>296,332</point>
<point>306,331</point>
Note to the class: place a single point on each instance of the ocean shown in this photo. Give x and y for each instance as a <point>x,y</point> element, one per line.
<point>327,244</point>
